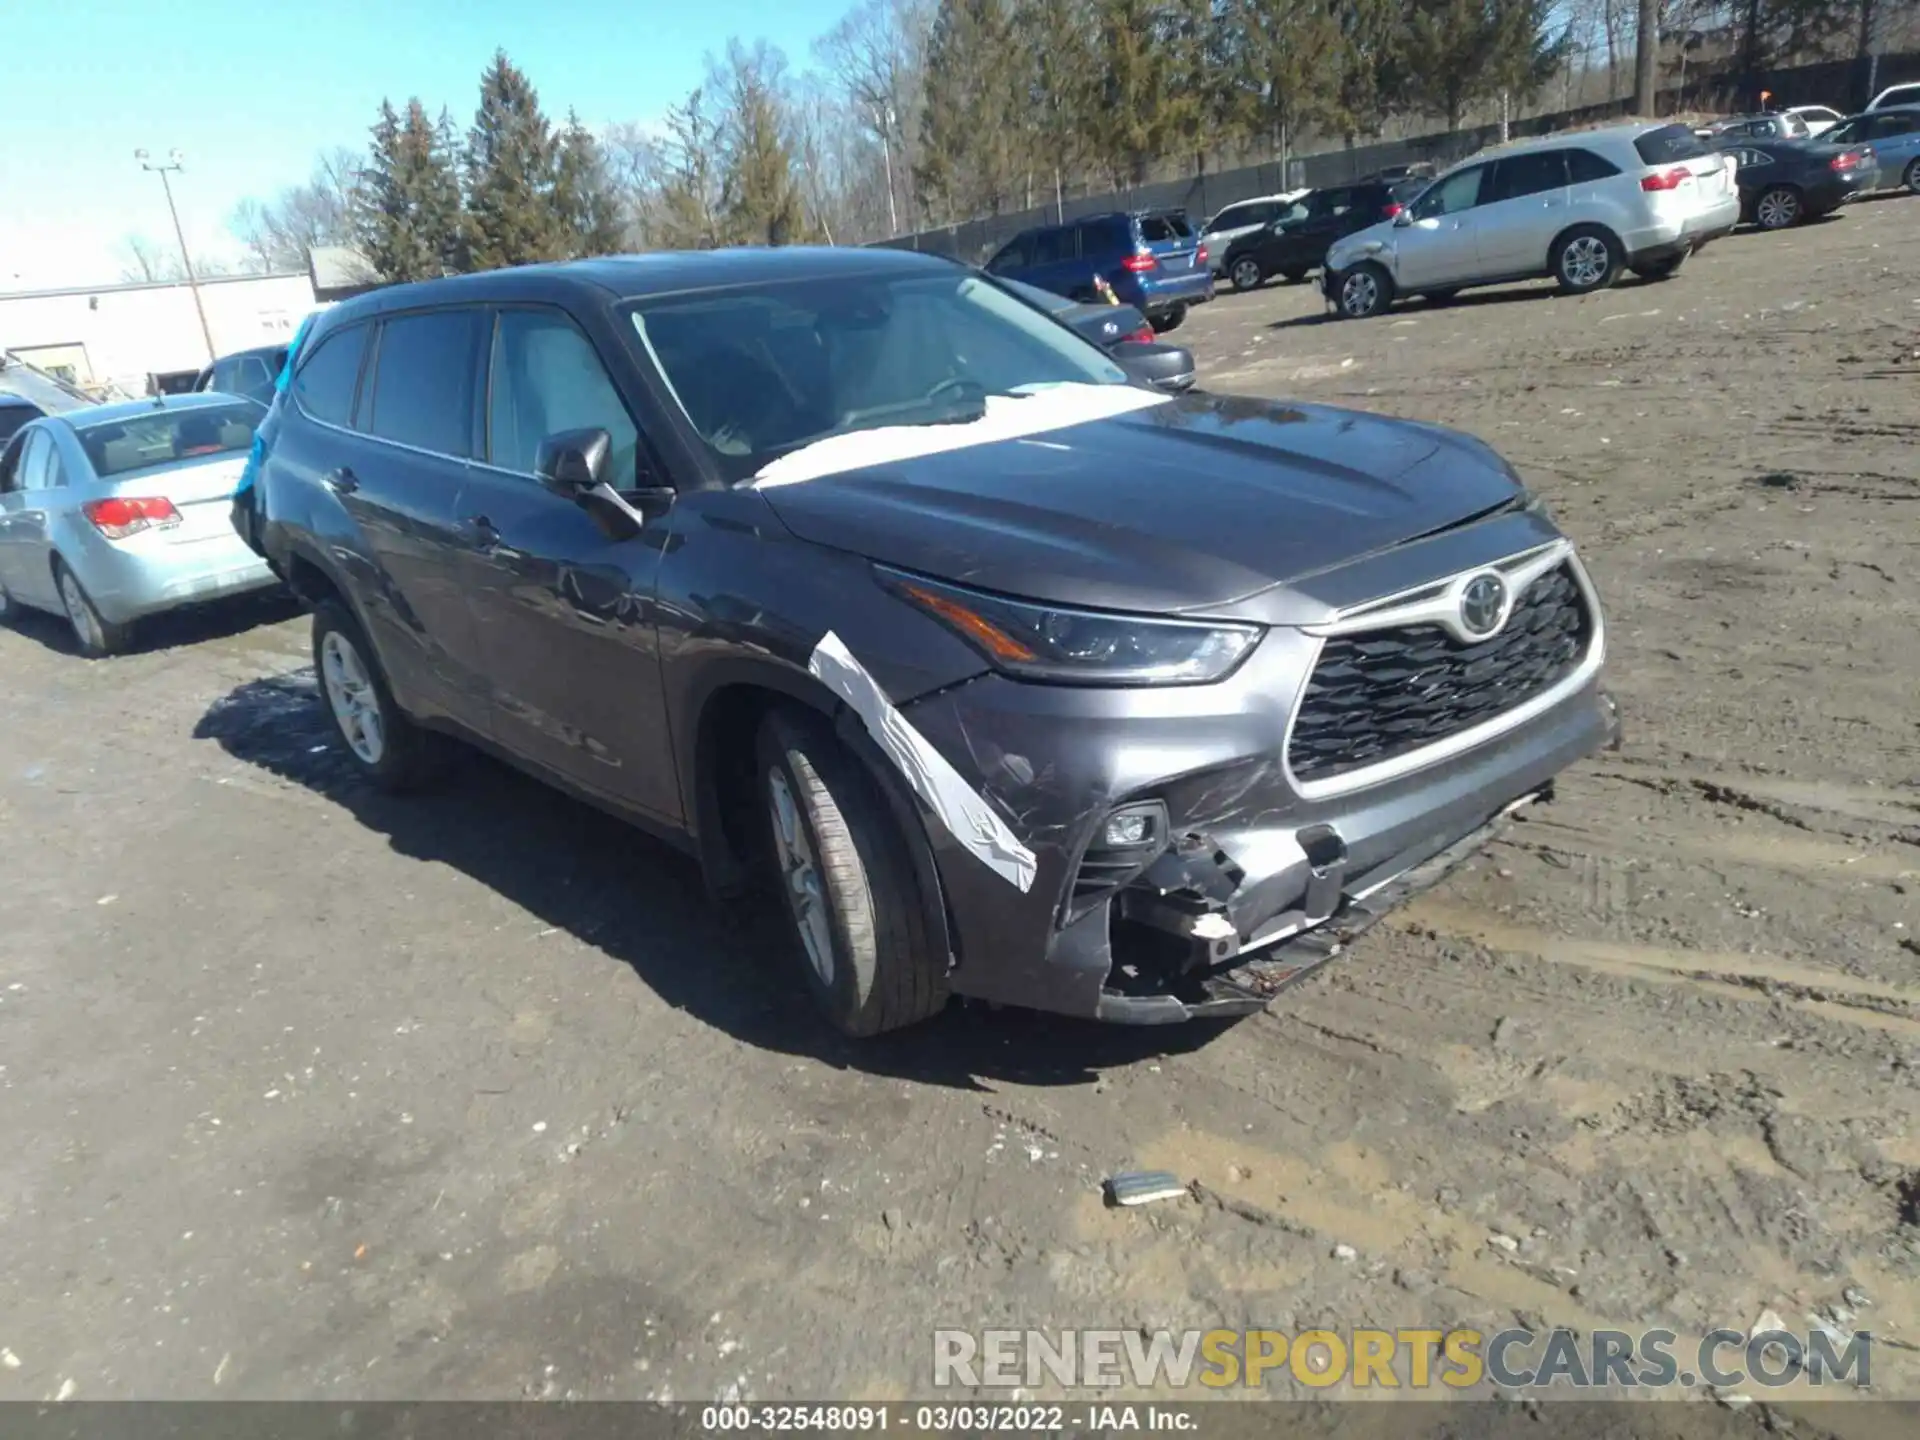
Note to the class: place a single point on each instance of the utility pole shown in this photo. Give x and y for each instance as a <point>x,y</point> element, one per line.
<point>1646,60</point>
<point>173,167</point>
<point>884,123</point>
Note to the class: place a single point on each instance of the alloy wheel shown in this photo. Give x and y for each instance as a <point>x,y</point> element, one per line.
<point>352,698</point>
<point>1585,261</point>
<point>1359,293</point>
<point>800,877</point>
<point>1913,176</point>
<point>1246,274</point>
<point>1777,209</point>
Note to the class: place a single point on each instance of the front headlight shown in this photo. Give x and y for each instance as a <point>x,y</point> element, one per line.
<point>1050,642</point>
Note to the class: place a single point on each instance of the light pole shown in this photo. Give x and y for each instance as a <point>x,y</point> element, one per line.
<point>173,166</point>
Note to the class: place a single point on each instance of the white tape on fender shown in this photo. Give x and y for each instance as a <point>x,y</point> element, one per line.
<point>962,809</point>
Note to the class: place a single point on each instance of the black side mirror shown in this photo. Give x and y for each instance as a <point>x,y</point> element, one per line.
<point>1165,367</point>
<point>573,462</point>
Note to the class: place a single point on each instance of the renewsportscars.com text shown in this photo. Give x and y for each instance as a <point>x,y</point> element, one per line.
<point>1413,1359</point>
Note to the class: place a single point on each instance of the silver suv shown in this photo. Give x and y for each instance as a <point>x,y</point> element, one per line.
<point>1578,208</point>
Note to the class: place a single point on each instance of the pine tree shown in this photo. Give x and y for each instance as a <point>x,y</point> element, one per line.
<point>760,196</point>
<point>688,215</point>
<point>1456,53</point>
<point>1286,57</point>
<point>512,172</point>
<point>584,193</point>
<point>407,209</point>
<point>973,109</point>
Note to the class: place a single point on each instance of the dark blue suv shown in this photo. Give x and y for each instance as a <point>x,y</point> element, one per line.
<point>1152,261</point>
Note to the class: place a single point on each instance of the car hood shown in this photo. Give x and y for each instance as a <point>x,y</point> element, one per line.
<point>1187,506</point>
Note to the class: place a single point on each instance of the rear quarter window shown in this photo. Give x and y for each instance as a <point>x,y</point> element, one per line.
<point>1668,144</point>
<point>1584,167</point>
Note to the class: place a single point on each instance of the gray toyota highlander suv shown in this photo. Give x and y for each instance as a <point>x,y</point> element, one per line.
<point>873,586</point>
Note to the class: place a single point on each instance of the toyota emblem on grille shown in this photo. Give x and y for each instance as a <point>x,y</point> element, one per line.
<point>1482,604</point>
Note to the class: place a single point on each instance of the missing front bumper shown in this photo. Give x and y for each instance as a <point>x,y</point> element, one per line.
<point>1295,945</point>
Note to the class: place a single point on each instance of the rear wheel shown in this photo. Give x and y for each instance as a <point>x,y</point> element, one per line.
<point>385,746</point>
<point>1585,259</point>
<point>1364,291</point>
<point>1245,273</point>
<point>846,880</point>
<point>1778,208</point>
<point>93,634</point>
<point>1170,320</point>
<point>1913,176</point>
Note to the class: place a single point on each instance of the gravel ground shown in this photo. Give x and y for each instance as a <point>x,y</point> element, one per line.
<point>311,1093</point>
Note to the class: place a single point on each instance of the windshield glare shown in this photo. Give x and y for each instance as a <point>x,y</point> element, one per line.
<point>165,437</point>
<point>762,370</point>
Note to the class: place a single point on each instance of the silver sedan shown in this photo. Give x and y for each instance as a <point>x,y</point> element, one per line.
<point>116,512</point>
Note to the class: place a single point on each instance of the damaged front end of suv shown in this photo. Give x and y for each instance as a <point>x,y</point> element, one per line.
<point>1211,800</point>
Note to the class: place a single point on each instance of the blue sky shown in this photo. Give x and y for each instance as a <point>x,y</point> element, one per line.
<point>252,90</point>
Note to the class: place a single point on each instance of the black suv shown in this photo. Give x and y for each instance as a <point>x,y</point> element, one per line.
<point>1297,242</point>
<point>851,572</point>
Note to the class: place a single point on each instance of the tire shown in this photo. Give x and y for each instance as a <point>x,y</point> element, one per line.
<point>7,608</point>
<point>1662,269</point>
<point>93,635</point>
<point>1364,291</point>
<point>1912,181</point>
<point>384,745</point>
<point>1171,320</point>
<point>1585,259</point>
<point>846,882</point>
<point>1780,208</point>
<point>1246,274</point>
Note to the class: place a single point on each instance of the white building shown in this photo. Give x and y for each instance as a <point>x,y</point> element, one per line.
<point>137,338</point>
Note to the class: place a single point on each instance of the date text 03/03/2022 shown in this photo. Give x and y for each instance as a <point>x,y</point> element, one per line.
<point>965,1418</point>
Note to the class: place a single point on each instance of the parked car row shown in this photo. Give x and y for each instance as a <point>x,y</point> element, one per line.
<point>877,587</point>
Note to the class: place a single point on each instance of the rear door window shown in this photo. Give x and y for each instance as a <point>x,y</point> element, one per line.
<point>1584,167</point>
<point>1103,237</point>
<point>1519,176</point>
<point>325,383</point>
<point>1050,247</point>
<point>1668,144</point>
<point>423,381</point>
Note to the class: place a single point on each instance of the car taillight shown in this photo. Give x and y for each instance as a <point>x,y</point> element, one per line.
<point>1667,179</point>
<point>1847,160</point>
<point>1200,256</point>
<point>120,517</point>
<point>1394,207</point>
<point>1144,335</point>
<point>1138,264</point>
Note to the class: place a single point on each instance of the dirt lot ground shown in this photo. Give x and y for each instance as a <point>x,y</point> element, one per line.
<point>306,1092</point>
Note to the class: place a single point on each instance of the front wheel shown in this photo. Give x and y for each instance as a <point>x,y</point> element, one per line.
<point>94,635</point>
<point>386,747</point>
<point>1586,259</point>
<point>1778,209</point>
<point>1245,274</point>
<point>1913,177</point>
<point>1364,291</point>
<point>846,880</point>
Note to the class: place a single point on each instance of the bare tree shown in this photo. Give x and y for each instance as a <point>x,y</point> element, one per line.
<point>148,261</point>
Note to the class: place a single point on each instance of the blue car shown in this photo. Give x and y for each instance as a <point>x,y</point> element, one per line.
<point>1894,137</point>
<point>1152,261</point>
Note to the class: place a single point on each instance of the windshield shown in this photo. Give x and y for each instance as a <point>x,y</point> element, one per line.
<point>762,370</point>
<point>165,437</point>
